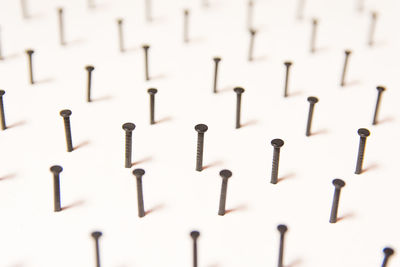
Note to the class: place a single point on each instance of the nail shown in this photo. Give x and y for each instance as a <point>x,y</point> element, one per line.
<point>24,9</point>
<point>239,91</point>
<point>146,61</point>
<point>225,174</point>
<point>2,116</point>
<point>66,113</point>
<point>250,9</point>
<point>313,35</point>
<point>195,235</point>
<point>152,92</point>
<point>282,230</point>
<point>56,170</point>
<point>378,101</point>
<point>138,173</point>
<point>312,101</point>
<point>29,53</point>
<point>300,9</point>
<point>128,127</point>
<point>147,5</point>
<point>89,70</point>
<point>201,129</point>
<point>216,61</point>
<point>186,26</point>
<point>388,252</point>
<point>363,133</point>
<point>96,235</point>
<point>277,144</point>
<point>335,204</point>
<point>251,47</point>
<point>120,35</point>
<point>288,64</point>
<point>372,28</point>
<point>346,61</point>
<point>61,25</point>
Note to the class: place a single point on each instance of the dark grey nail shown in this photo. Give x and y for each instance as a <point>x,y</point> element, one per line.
<point>239,91</point>
<point>201,129</point>
<point>251,46</point>
<point>277,144</point>
<point>346,62</point>
<point>388,252</point>
<point>287,64</point>
<point>66,113</point>
<point>335,204</point>
<point>89,70</point>
<point>216,61</point>
<point>138,173</point>
<point>146,61</point>
<point>128,127</point>
<point>29,52</point>
<point>56,170</point>
<point>120,35</point>
<point>378,101</point>
<point>282,230</point>
<point>194,235</point>
<point>313,35</point>
<point>374,16</point>
<point>24,9</point>
<point>2,116</point>
<point>96,236</point>
<point>186,26</point>
<point>363,133</point>
<point>225,174</point>
<point>60,12</point>
<point>152,92</point>
<point>312,101</point>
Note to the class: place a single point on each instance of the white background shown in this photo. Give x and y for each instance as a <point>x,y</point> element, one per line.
<point>101,193</point>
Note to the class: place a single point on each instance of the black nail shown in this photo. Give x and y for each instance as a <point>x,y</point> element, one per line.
<point>378,101</point>
<point>239,91</point>
<point>96,235</point>
<point>195,235</point>
<point>282,230</point>
<point>2,115</point>
<point>388,252</point>
<point>24,9</point>
<point>186,26</point>
<point>312,101</point>
<point>120,35</point>
<point>363,133</point>
<point>147,4</point>
<point>29,53</point>
<point>146,61</point>
<point>61,25</point>
<point>250,9</point>
<point>152,92</point>
<point>277,144</point>
<point>201,129</point>
<point>251,46</point>
<point>56,170</point>
<point>300,9</point>
<point>138,173</point>
<point>128,127</point>
<point>335,204</point>
<point>216,61</point>
<point>66,113</point>
<point>288,64</point>
<point>225,174</point>
<point>313,35</point>
<point>346,61</point>
<point>89,70</point>
<point>374,16</point>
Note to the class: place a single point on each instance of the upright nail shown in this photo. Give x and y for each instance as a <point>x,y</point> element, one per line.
<point>24,9</point>
<point>66,113</point>
<point>225,174</point>
<point>120,35</point>
<point>250,12</point>
<point>388,252</point>
<point>201,129</point>
<point>186,26</point>
<point>335,204</point>
<point>288,64</point>
<point>146,61</point>
<point>374,16</point>
<point>152,92</point>
<point>138,173</point>
<point>96,236</point>
<point>61,25</point>
<point>239,91</point>
<point>56,170</point>
<point>282,230</point>
<point>216,61</point>
<point>363,133</point>
<point>147,5</point>
<point>128,128</point>
<point>313,35</point>
<point>277,144</point>
<point>251,46</point>
<point>29,52</point>
<point>378,101</point>
<point>346,61</point>
<point>194,235</point>
<point>89,70</point>
<point>2,116</point>
<point>313,100</point>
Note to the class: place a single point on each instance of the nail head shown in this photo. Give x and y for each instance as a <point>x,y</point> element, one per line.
<point>2,92</point>
<point>362,132</point>
<point>89,68</point>
<point>152,91</point>
<point>195,234</point>
<point>96,234</point>
<point>312,99</point>
<point>282,228</point>
<point>277,143</point>
<point>138,172</point>
<point>288,63</point>
<point>380,88</point>
<point>238,90</point>
<point>201,128</point>
<point>65,113</point>
<point>338,183</point>
<point>56,169</point>
<point>128,126</point>
<point>388,251</point>
<point>225,173</point>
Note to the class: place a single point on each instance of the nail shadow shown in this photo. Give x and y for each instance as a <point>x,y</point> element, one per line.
<point>319,132</point>
<point>8,177</point>
<point>155,208</point>
<point>158,77</point>
<point>259,58</point>
<point>249,123</point>
<point>346,216</point>
<point>352,83</point>
<point>196,40</point>
<point>146,159</point>
<point>294,263</point>
<point>74,42</point>
<point>103,98</point>
<point>286,177</point>
<point>295,93</point>
<point>235,209</point>
<point>46,80</point>
<point>10,56</point>
<point>386,120</point>
<point>212,164</point>
<point>82,144</point>
<point>370,167</point>
<point>131,49</point>
<point>225,89</point>
<point>165,119</point>
<point>16,124</point>
<point>73,205</point>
